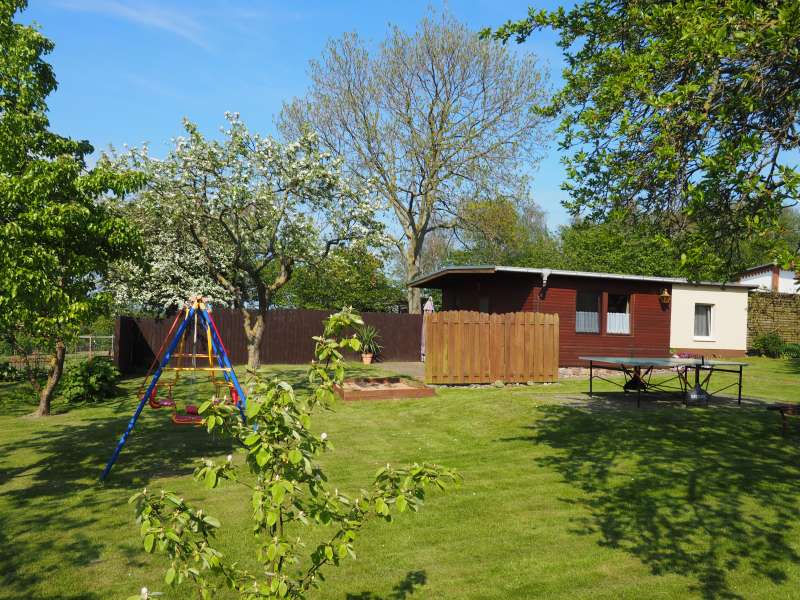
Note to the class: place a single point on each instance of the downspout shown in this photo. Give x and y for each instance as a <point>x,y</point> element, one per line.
<point>545,276</point>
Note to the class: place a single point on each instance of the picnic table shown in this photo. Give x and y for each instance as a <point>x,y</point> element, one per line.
<point>638,370</point>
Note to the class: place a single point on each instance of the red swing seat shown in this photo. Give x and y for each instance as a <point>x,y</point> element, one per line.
<point>154,402</point>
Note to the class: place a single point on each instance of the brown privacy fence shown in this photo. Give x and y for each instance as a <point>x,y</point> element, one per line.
<point>471,347</point>
<point>286,340</point>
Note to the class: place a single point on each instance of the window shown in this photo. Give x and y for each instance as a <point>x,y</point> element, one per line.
<point>702,320</point>
<point>619,317</point>
<point>483,304</point>
<point>587,312</point>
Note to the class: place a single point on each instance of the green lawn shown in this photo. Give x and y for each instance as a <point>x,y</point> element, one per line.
<point>562,497</point>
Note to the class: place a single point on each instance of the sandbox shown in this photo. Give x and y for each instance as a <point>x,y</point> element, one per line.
<point>382,388</point>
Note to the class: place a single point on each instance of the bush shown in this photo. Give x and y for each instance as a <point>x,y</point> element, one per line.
<point>791,351</point>
<point>8,372</point>
<point>93,380</point>
<point>769,344</point>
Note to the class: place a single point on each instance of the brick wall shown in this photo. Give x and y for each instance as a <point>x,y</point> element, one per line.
<point>773,312</point>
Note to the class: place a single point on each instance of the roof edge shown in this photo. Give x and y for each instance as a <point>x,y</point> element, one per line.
<point>492,269</point>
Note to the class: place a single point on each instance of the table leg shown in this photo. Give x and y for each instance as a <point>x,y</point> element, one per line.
<point>638,387</point>
<point>740,385</point>
<point>590,379</point>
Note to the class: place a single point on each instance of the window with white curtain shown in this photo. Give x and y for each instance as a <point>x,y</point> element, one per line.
<point>702,320</point>
<point>619,315</point>
<point>587,312</point>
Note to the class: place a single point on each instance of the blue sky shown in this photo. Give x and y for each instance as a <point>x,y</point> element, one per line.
<point>130,70</point>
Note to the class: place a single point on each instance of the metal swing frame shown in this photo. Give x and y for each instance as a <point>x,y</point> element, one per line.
<point>199,310</point>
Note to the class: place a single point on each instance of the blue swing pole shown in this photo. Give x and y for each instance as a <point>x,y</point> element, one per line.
<point>153,381</point>
<point>224,361</point>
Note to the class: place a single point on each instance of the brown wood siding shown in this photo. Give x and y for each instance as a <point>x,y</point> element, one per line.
<point>511,292</point>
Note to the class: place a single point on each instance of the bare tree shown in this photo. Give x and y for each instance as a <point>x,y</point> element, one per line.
<point>432,118</point>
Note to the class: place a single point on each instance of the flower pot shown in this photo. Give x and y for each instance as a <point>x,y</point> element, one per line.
<point>366,359</point>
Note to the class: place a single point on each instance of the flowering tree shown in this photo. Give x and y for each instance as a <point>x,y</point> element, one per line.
<point>168,273</point>
<point>251,210</point>
<point>288,490</point>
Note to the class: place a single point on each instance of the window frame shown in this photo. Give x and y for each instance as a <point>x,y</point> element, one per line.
<point>710,336</point>
<point>629,295</point>
<point>600,324</point>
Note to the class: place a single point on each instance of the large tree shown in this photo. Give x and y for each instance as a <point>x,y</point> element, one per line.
<point>253,210</point>
<point>57,234</point>
<point>432,118</point>
<point>504,232</point>
<point>617,246</point>
<point>686,112</point>
<point>351,276</point>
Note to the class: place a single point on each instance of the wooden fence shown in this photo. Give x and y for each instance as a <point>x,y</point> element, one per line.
<point>287,337</point>
<point>471,347</point>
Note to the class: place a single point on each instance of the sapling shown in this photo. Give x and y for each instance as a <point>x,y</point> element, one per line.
<point>288,490</point>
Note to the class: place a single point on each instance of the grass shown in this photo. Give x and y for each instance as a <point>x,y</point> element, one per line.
<point>562,497</point>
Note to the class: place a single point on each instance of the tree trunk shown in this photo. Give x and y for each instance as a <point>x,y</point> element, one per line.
<point>253,331</point>
<point>254,327</point>
<point>53,377</point>
<point>413,294</point>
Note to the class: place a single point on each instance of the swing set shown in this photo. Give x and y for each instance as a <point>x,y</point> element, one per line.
<point>194,321</point>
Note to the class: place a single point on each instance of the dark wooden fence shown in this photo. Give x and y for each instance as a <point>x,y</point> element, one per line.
<point>470,347</point>
<point>287,337</point>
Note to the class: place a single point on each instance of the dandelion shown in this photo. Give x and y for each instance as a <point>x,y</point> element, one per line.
<point>230,458</point>
<point>144,594</point>
<point>324,436</point>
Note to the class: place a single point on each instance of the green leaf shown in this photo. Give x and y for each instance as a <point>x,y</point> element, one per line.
<point>278,493</point>
<point>401,503</point>
<point>149,540</point>
<point>212,521</point>
<point>253,407</point>
<point>262,456</point>
<point>282,589</point>
<point>211,478</point>
<point>328,552</point>
<point>169,576</point>
<point>251,439</point>
<point>380,507</point>
<point>272,518</point>
<point>295,456</point>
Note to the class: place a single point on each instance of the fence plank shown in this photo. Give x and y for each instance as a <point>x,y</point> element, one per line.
<point>471,347</point>
<point>287,336</point>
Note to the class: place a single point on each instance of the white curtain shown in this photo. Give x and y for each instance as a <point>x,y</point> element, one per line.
<point>702,320</point>
<point>587,322</point>
<point>618,323</point>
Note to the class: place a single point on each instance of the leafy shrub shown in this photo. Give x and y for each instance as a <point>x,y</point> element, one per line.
<point>93,380</point>
<point>8,372</point>
<point>769,344</point>
<point>791,351</point>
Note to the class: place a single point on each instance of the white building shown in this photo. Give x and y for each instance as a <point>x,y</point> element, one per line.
<point>771,278</point>
<point>709,319</point>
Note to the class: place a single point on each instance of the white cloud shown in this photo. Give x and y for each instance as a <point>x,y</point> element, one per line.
<point>147,14</point>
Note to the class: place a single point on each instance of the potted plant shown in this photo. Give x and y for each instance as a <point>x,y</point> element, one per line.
<point>368,336</point>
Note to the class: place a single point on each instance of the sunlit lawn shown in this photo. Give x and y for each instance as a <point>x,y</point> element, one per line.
<point>562,497</point>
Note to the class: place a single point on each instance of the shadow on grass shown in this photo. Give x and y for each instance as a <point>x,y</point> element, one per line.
<point>699,492</point>
<point>405,588</point>
<point>52,486</point>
